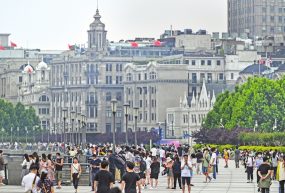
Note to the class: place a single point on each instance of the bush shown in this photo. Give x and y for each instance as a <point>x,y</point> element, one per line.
<point>250,148</point>
<point>267,139</point>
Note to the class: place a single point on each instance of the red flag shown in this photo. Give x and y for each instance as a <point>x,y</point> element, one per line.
<point>157,43</point>
<point>2,48</point>
<point>70,47</point>
<point>134,44</point>
<point>13,44</point>
<point>261,61</point>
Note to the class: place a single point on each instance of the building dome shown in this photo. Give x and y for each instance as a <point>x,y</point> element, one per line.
<point>255,69</point>
<point>42,66</point>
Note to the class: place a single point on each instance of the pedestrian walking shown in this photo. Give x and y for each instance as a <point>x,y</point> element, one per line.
<point>2,173</point>
<point>131,180</point>
<point>154,172</point>
<point>25,166</point>
<point>45,185</point>
<point>265,172</point>
<point>186,173</point>
<point>206,164</point>
<point>213,162</point>
<point>280,173</point>
<point>95,168</point>
<point>58,170</point>
<point>177,172</point>
<point>75,173</point>
<point>169,172</point>
<point>237,157</point>
<point>50,167</point>
<point>249,168</point>
<point>30,181</point>
<point>104,179</point>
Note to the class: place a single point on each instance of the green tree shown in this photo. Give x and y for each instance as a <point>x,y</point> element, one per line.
<point>259,99</point>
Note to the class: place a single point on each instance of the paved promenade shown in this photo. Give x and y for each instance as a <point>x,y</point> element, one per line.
<point>229,180</point>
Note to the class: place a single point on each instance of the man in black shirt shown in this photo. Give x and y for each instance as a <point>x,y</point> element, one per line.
<point>130,180</point>
<point>58,170</point>
<point>265,173</point>
<point>104,180</point>
<point>199,156</point>
<point>112,160</point>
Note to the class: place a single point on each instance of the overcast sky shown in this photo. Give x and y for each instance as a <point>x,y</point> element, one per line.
<point>52,24</point>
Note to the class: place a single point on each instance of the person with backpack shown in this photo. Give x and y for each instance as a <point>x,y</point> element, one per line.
<point>30,180</point>
<point>45,185</point>
<point>206,164</point>
<point>143,169</point>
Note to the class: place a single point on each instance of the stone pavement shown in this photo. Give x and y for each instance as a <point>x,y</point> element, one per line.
<point>229,180</point>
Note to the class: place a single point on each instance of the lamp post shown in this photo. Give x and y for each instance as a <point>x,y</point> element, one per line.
<point>126,109</point>
<point>3,130</point>
<point>275,125</point>
<point>189,126</point>
<point>172,129</point>
<point>79,128</point>
<point>114,110</point>
<point>11,135</point>
<point>34,133</point>
<point>73,114</point>
<point>136,112</point>
<point>64,110</point>
<point>255,126</point>
<point>26,129</point>
<point>18,130</point>
<point>42,129</point>
<point>83,122</point>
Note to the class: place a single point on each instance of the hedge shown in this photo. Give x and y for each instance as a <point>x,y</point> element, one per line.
<point>250,148</point>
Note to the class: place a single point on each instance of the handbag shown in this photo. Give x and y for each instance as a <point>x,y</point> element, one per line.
<point>210,169</point>
<point>266,183</point>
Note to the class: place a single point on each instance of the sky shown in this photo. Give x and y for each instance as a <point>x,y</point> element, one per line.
<point>53,24</point>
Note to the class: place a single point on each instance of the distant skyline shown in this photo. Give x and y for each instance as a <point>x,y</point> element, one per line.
<point>53,24</point>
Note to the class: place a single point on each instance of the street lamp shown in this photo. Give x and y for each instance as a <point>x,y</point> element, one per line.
<point>11,135</point>
<point>83,122</point>
<point>42,129</point>
<point>26,129</point>
<point>18,130</point>
<point>189,125</point>
<point>126,108</point>
<point>78,128</point>
<point>3,130</point>
<point>72,114</point>
<point>64,110</point>
<point>34,129</point>
<point>172,124</point>
<point>255,126</point>
<point>136,112</point>
<point>275,125</point>
<point>114,110</point>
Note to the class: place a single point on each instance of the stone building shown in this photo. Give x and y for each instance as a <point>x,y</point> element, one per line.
<point>185,116</point>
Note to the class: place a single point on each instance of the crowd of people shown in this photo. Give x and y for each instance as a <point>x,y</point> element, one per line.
<point>137,169</point>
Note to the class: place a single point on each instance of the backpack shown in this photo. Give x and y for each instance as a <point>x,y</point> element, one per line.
<point>137,162</point>
<point>142,165</point>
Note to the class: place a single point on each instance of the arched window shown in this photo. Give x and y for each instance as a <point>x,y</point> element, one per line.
<point>44,98</point>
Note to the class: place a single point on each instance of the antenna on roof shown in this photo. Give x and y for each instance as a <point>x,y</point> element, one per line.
<point>97,4</point>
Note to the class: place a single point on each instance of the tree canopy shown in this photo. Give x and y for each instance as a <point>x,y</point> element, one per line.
<point>17,117</point>
<point>259,100</point>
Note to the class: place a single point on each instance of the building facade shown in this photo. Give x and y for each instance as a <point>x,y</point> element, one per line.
<point>256,18</point>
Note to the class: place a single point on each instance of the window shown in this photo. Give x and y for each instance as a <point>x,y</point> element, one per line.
<point>141,103</point>
<point>43,111</point>
<point>152,75</point>
<point>108,96</point>
<point>209,62</point>
<point>264,9</point>
<point>271,18</point>
<point>108,79</point>
<point>43,98</point>
<point>186,61</point>
<point>218,62</point>
<point>202,77</point>
<point>145,76</point>
<point>202,62</point>
<point>194,78</point>
<point>209,77</point>
<point>20,79</point>
<point>272,9</point>
<point>108,67</point>
<point>129,77</point>
<point>221,76</point>
<point>193,62</point>
<point>232,76</point>
<point>280,19</point>
<point>263,19</point>
<point>119,79</point>
<point>280,10</point>
<point>139,76</point>
<point>119,96</point>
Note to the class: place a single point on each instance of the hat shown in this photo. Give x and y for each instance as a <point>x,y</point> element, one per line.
<point>168,159</point>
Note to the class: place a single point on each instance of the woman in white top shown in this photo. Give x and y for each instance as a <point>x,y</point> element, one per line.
<point>75,173</point>
<point>25,166</point>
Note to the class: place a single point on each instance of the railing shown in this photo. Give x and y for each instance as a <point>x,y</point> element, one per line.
<point>6,174</point>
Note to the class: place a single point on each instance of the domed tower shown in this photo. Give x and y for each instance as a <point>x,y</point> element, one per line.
<point>97,34</point>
